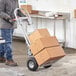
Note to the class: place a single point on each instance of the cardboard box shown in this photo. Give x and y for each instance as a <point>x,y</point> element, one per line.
<point>75,13</point>
<point>42,43</point>
<point>39,33</point>
<point>27,7</point>
<point>52,53</point>
<point>34,12</point>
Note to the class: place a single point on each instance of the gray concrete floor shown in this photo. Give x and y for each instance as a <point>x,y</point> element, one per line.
<point>64,67</point>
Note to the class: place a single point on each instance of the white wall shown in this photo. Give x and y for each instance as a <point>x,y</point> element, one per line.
<point>73,22</point>
<point>52,5</point>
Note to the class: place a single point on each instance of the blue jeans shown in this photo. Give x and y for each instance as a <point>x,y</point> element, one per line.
<point>6,48</point>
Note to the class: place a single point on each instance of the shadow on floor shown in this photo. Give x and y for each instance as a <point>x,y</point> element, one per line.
<point>70,51</point>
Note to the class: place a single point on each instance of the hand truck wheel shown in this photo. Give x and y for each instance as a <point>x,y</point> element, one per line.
<point>32,64</point>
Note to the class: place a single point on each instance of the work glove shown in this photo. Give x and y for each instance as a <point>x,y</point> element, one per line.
<point>9,20</point>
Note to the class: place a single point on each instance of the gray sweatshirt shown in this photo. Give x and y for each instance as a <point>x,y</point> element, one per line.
<point>7,8</point>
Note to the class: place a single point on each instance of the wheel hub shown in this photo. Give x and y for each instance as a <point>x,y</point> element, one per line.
<point>31,64</point>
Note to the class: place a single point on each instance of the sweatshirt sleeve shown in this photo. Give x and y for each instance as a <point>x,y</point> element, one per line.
<point>2,9</point>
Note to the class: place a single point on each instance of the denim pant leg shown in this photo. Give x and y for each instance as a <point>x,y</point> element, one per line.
<point>7,35</point>
<point>2,50</point>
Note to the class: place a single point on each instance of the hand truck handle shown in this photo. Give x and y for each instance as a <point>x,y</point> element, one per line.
<point>27,16</point>
<point>19,20</point>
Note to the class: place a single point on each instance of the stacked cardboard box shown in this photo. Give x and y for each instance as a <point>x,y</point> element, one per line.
<point>74,13</point>
<point>27,7</point>
<point>39,33</point>
<point>34,12</point>
<point>43,43</point>
<point>45,47</point>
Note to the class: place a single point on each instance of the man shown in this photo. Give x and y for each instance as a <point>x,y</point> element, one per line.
<point>7,8</point>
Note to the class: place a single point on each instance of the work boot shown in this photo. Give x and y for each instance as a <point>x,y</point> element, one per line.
<point>10,63</point>
<point>2,59</point>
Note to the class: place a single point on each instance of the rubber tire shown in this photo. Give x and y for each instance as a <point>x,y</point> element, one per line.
<point>47,66</point>
<point>34,62</point>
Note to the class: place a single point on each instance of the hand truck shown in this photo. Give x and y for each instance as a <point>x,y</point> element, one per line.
<point>31,61</point>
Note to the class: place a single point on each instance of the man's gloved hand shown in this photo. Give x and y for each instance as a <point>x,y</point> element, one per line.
<point>9,20</point>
